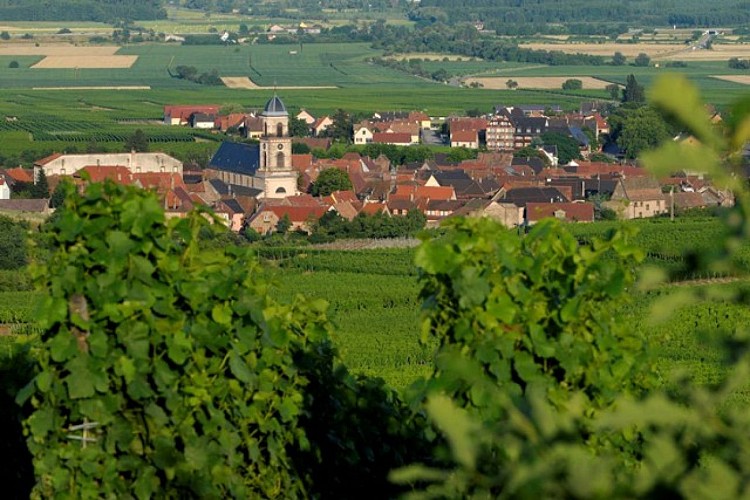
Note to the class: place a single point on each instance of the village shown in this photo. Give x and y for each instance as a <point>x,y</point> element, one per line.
<point>514,178</point>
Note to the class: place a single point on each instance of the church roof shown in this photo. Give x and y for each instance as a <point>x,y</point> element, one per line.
<point>275,107</point>
<point>236,157</point>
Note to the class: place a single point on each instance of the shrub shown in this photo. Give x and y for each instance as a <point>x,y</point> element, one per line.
<point>13,64</point>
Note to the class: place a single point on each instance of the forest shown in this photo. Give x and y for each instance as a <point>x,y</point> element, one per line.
<point>81,10</point>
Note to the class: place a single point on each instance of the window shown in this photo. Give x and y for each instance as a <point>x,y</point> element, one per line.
<point>280,190</point>
<point>280,160</point>
<point>280,130</point>
<point>647,206</point>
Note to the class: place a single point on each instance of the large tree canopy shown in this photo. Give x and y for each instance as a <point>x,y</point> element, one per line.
<point>330,180</point>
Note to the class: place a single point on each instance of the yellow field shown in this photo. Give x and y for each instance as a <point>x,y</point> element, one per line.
<point>534,82</point>
<point>63,62</point>
<point>743,79</point>
<point>720,52</point>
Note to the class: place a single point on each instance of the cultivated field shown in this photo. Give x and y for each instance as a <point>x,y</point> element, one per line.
<point>671,51</point>
<point>244,82</point>
<point>428,56</point>
<point>66,56</point>
<point>537,82</point>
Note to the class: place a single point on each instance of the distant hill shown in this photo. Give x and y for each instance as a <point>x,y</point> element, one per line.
<point>638,13</point>
<point>81,10</point>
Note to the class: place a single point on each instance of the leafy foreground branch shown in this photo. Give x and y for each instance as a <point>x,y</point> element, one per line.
<point>165,370</point>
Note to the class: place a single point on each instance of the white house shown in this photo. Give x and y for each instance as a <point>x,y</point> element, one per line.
<point>4,190</point>
<point>362,134</point>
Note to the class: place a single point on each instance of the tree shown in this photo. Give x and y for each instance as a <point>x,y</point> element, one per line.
<point>572,84</point>
<point>243,30</point>
<point>13,247</point>
<point>58,196</point>
<point>13,64</point>
<point>614,90</point>
<point>40,188</point>
<point>618,59</point>
<point>298,128</point>
<point>511,84</point>
<point>342,127</point>
<point>330,180</point>
<point>284,224</point>
<point>567,147</point>
<point>137,142</point>
<point>4,35</point>
<point>300,148</point>
<point>633,91</point>
<point>642,129</point>
<point>642,60</point>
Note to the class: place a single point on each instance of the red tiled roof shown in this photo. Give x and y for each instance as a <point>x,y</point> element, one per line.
<point>579,212</point>
<point>456,124</point>
<point>374,208</point>
<point>392,138</point>
<point>48,159</point>
<point>159,180</point>
<point>301,161</point>
<point>427,192</point>
<point>98,173</point>
<point>19,174</point>
<point>184,111</point>
<point>464,136</point>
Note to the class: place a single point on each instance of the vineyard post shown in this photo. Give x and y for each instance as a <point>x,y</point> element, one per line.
<point>671,204</point>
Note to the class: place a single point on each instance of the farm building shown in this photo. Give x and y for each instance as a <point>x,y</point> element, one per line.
<point>68,164</point>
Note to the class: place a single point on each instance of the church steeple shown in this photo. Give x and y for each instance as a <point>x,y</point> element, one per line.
<point>276,151</point>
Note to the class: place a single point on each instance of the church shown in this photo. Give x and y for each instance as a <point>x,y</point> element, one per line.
<point>265,167</point>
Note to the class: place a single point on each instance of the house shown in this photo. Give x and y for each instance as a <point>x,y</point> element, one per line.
<point>523,195</point>
<point>397,139</point>
<point>465,139</point>
<point>363,133</point>
<point>321,125</point>
<point>35,206</point>
<point>253,127</point>
<point>120,175</point>
<point>569,212</point>
<point>527,128</point>
<point>302,218</point>
<point>306,117</point>
<point>231,121</point>
<point>4,190</point>
<point>68,164</point>
<point>204,121</point>
<point>688,200</point>
<point>507,214</point>
<point>19,174</point>
<point>180,115</point>
<point>637,197</point>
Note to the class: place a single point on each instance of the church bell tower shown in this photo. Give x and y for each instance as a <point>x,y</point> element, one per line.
<point>275,171</point>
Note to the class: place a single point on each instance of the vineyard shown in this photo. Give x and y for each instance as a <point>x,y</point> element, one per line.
<point>373,301</point>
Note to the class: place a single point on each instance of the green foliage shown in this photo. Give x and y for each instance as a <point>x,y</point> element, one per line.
<point>572,84</point>
<point>642,60</point>
<point>13,246</point>
<point>633,91</point>
<point>330,180</point>
<point>567,147</point>
<point>528,311</point>
<point>643,129</point>
<point>618,59</point>
<point>177,354</point>
<point>137,142</point>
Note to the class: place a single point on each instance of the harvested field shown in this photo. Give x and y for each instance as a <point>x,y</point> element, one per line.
<point>537,82</point>
<point>720,52</point>
<point>238,82</point>
<point>743,79</point>
<point>87,62</point>
<point>244,82</point>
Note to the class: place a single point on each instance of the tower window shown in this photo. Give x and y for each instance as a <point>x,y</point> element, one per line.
<point>280,130</point>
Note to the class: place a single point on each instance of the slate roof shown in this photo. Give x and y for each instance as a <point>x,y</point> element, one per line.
<point>533,162</point>
<point>523,195</point>
<point>25,205</point>
<point>275,107</point>
<point>236,157</point>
